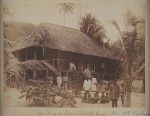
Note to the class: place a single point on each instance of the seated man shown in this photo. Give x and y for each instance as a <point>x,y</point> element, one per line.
<point>94,97</point>
<point>83,97</point>
<point>103,99</point>
<point>107,98</point>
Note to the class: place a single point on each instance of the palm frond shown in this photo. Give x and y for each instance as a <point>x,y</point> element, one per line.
<point>66,7</point>
<point>115,24</point>
<point>91,27</point>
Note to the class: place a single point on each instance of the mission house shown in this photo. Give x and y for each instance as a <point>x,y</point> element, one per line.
<point>59,46</point>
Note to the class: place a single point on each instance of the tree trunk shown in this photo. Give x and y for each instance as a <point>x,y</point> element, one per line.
<point>127,102</point>
<point>128,83</point>
<point>128,87</point>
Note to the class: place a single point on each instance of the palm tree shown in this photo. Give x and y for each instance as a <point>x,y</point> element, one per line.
<point>131,40</point>
<point>91,27</point>
<point>66,8</point>
<point>79,8</point>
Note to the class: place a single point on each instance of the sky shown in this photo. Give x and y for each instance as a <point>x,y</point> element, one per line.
<point>47,11</point>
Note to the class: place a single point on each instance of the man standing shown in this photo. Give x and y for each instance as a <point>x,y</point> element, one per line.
<point>122,93</point>
<point>87,88</point>
<point>59,80</point>
<point>65,80</point>
<point>94,84</point>
<point>114,92</point>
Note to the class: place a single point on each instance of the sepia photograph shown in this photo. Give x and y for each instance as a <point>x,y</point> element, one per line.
<point>69,54</point>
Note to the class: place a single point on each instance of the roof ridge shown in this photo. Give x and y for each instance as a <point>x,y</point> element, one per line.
<point>43,24</point>
<point>88,47</point>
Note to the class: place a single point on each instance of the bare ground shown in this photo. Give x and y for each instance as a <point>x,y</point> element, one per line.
<point>12,100</point>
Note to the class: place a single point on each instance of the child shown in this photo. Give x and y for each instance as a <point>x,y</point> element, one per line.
<point>102,101</point>
<point>107,98</point>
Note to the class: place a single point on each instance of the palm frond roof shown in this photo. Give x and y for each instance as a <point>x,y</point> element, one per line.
<point>63,38</point>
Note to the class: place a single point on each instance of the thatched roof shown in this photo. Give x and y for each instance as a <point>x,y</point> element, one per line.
<point>38,65</point>
<point>63,38</point>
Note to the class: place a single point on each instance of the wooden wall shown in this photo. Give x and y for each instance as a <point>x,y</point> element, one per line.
<point>103,67</point>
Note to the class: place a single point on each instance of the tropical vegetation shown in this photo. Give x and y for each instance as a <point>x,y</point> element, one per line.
<point>42,93</point>
<point>93,29</point>
<point>132,41</point>
<point>130,48</point>
<point>66,8</point>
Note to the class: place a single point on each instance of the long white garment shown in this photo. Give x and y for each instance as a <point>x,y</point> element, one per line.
<point>59,81</point>
<point>87,85</point>
<point>94,84</point>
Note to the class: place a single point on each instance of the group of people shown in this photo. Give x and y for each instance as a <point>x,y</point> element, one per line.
<point>92,94</point>
<point>61,80</point>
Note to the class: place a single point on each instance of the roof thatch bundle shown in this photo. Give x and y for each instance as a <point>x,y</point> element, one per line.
<point>38,65</point>
<point>18,68</point>
<point>63,38</point>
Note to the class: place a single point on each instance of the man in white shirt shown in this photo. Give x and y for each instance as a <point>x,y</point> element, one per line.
<point>59,80</point>
<point>72,66</point>
<point>87,87</point>
<point>94,84</point>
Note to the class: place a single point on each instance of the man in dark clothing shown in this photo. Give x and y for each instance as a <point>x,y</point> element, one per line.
<point>114,92</point>
<point>122,93</point>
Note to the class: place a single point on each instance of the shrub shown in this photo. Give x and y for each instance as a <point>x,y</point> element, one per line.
<point>41,93</point>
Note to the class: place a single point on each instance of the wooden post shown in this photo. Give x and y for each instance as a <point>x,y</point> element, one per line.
<point>105,69</point>
<point>35,53</point>
<point>58,60</point>
<point>94,65</point>
<point>43,51</point>
<point>69,60</point>
<point>26,54</point>
<point>82,62</point>
<point>115,70</point>
<point>24,77</point>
